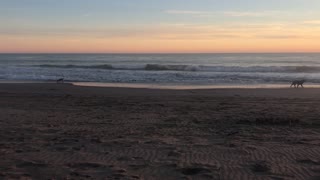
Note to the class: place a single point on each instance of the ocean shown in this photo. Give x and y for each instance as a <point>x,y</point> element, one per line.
<point>163,69</point>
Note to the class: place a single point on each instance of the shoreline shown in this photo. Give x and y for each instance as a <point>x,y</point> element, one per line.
<point>187,87</point>
<point>165,86</point>
<point>68,89</point>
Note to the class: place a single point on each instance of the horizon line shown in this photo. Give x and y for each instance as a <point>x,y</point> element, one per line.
<point>296,52</point>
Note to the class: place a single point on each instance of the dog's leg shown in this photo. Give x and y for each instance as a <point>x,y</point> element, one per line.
<point>293,85</point>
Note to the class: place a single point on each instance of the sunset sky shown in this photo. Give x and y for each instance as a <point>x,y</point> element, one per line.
<point>159,26</point>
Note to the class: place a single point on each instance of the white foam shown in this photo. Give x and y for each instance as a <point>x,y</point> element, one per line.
<point>187,87</point>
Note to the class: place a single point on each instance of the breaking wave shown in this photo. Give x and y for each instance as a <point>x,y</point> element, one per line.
<point>193,68</point>
<point>161,67</point>
<point>104,66</point>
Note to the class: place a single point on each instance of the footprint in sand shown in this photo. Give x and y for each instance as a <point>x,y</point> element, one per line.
<point>27,164</point>
<point>88,169</point>
<point>261,167</point>
<point>174,154</point>
<point>309,161</point>
<point>86,165</point>
<point>191,171</point>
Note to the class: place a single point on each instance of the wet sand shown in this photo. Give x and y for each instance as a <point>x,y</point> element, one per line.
<point>60,131</point>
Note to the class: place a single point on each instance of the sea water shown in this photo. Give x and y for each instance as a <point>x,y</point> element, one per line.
<point>190,70</point>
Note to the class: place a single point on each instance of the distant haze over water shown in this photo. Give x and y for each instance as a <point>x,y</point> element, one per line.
<point>163,69</point>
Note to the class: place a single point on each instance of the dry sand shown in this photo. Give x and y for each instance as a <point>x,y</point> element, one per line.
<point>55,131</point>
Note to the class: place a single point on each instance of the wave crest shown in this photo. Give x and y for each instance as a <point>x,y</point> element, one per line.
<point>160,67</point>
<point>104,66</point>
<point>193,68</point>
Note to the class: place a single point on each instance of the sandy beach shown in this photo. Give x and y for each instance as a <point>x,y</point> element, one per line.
<point>61,131</point>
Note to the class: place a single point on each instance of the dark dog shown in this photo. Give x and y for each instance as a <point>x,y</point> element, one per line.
<point>296,84</point>
<point>60,80</point>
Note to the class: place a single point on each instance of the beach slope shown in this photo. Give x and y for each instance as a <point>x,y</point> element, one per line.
<point>61,131</point>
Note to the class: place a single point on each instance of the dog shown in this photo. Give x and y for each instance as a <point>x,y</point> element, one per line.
<point>296,84</point>
<point>60,80</point>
